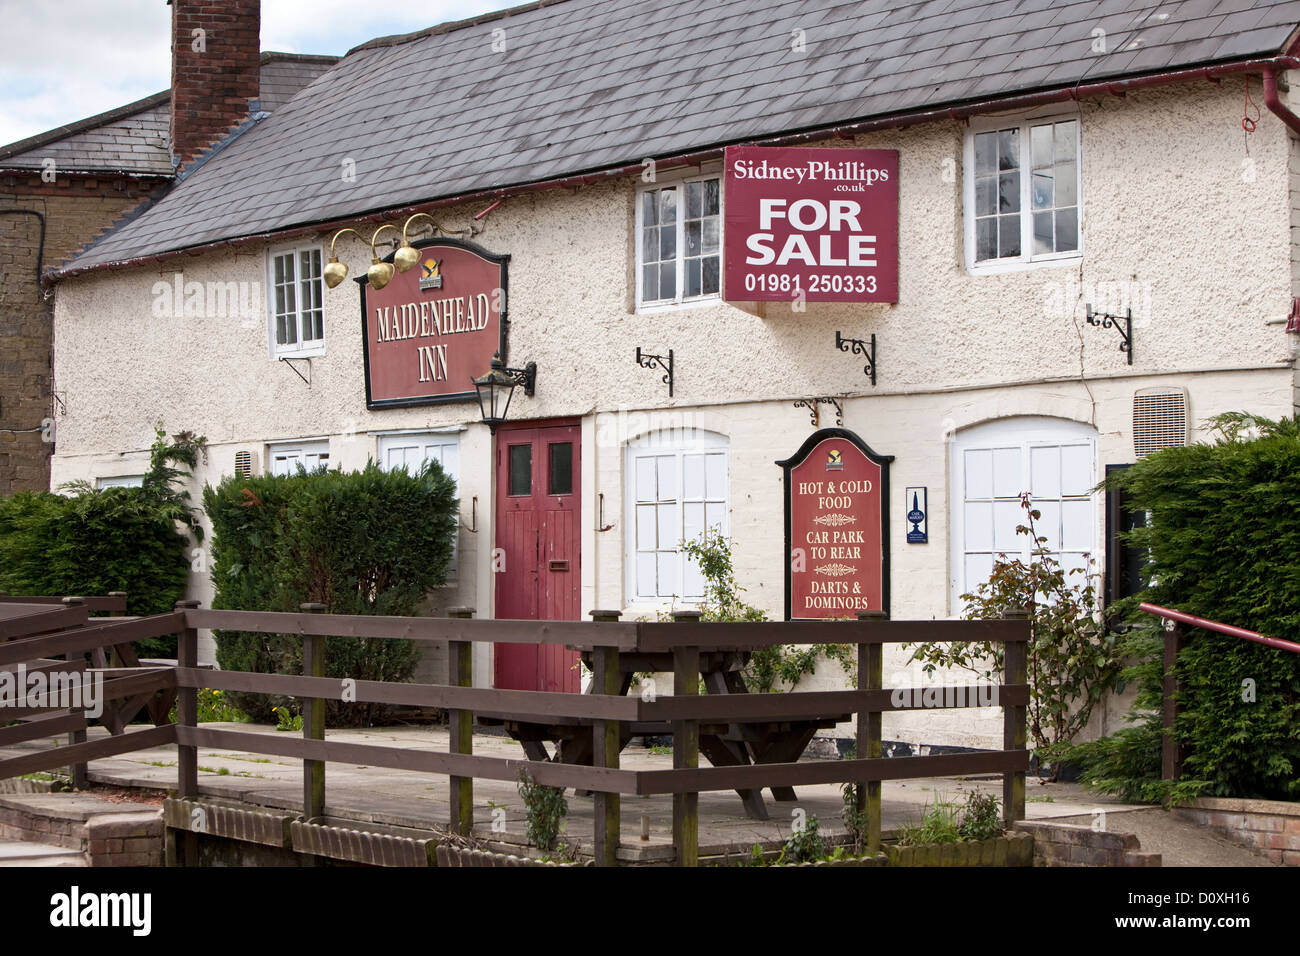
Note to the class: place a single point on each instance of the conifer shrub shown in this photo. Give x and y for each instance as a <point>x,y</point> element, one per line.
<point>1222,542</point>
<point>364,542</point>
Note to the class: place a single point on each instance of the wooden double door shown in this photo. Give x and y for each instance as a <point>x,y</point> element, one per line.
<point>538,567</point>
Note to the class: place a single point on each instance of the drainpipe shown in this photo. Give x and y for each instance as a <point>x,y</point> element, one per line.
<point>1274,102</point>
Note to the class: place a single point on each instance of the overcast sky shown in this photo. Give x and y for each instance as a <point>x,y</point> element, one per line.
<point>63,61</point>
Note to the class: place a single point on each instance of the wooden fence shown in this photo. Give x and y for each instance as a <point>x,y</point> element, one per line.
<point>29,633</point>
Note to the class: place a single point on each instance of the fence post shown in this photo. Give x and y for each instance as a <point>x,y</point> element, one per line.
<point>607,735</point>
<point>871,676</point>
<point>460,727</point>
<point>77,772</point>
<point>686,748</point>
<point>1171,756</point>
<point>187,715</point>
<point>1015,670</point>
<point>313,720</point>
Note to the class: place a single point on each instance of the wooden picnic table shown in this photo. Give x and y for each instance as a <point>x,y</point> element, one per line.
<point>723,744</point>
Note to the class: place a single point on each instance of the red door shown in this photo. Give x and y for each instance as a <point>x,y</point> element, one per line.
<point>537,514</point>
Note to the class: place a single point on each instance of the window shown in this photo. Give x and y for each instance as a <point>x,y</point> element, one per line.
<point>1022,193</point>
<point>285,458</point>
<point>678,230</point>
<point>677,488</point>
<point>992,465</point>
<point>120,481</point>
<point>412,451</point>
<point>296,302</point>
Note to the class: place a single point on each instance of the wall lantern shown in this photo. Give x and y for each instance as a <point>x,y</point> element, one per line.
<point>380,273</point>
<point>497,386</point>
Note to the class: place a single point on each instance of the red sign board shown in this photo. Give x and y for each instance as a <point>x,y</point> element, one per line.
<point>821,222</point>
<point>433,329</point>
<point>837,528</point>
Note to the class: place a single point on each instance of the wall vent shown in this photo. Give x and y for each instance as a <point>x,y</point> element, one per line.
<point>244,464</point>
<point>1159,419</point>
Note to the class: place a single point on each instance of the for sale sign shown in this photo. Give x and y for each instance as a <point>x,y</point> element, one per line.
<point>836,527</point>
<point>817,225</point>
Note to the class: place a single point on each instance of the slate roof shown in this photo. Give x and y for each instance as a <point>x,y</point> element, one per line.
<point>132,139</point>
<point>585,85</point>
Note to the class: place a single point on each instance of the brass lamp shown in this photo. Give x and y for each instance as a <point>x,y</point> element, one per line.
<point>407,256</point>
<point>335,271</point>
<point>380,273</point>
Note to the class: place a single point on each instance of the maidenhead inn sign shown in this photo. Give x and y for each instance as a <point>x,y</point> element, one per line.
<point>816,223</point>
<point>432,330</point>
<point>836,527</point>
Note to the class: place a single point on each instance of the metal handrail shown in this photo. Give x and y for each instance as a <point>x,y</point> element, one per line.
<point>1170,614</point>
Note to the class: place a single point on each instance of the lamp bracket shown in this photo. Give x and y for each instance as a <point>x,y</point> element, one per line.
<point>646,360</point>
<point>859,347</point>
<point>1123,324</point>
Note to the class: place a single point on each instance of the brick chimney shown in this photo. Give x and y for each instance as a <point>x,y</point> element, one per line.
<point>216,66</point>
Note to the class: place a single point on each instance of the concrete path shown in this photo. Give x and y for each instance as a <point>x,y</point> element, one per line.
<point>15,853</point>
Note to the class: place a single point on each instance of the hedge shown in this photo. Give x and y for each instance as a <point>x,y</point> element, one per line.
<point>1223,542</point>
<point>364,542</point>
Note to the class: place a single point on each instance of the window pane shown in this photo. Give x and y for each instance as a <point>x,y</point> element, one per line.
<point>521,470</point>
<point>1067,183</point>
<point>1009,149</point>
<point>1007,516</point>
<point>1049,525</point>
<point>1067,142</point>
<point>1076,469</point>
<point>711,194</point>
<point>692,277</point>
<point>979,526</point>
<point>668,280</point>
<point>667,242</point>
<point>1042,189</point>
<point>1076,525</point>
<point>667,567</point>
<point>649,245</point>
<point>1067,230</point>
<point>979,567</point>
<point>692,521</point>
<point>716,471</point>
<point>985,201</point>
<point>1009,192</point>
<point>986,237</point>
<point>693,238</point>
<point>667,206</point>
<point>710,280</point>
<point>710,237</point>
<point>1008,236</point>
<point>979,474</point>
<point>645,575</point>
<point>561,470</point>
<point>645,527</point>
<point>1043,233</point>
<point>666,523</point>
<point>694,200</point>
<point>1045,472</point>
<point>1040,144</point>
<point>715,516</point>
<point>650,283</point>
<point>650,207</point>
<point>692,477</point>
<point>645,479</point>
<point>986,153</point>
<point>667,468</point>
<point>1006,473</point>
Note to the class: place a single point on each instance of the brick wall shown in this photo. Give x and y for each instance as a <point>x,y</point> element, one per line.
<point>131,838</point>
<point>211,86</point>
<point>1068,844</point>
<point>75,210</point>
<point>1270,826</point>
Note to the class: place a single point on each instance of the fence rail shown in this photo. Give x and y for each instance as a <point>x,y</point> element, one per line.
<point>605,709</point>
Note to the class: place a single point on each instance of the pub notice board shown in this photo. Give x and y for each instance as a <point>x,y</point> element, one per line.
<point>836,527</point>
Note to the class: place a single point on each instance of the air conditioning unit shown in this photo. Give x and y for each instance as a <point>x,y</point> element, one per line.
<point>244,464</point>
<point>1159,419</point>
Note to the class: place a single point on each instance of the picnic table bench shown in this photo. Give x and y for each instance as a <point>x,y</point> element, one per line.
<point>723,744</point>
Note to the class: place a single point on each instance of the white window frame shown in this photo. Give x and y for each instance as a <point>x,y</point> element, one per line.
<point>677,443</point>
<point>301,348</point>
<point>678,181</point>
<point>1026,259</point>
<point>120,481</point>
<point>307,453</point>
<point>1024,433</point>
<point>445,441</point>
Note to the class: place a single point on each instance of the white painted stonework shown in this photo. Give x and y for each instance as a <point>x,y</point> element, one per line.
<point>1168,214</point>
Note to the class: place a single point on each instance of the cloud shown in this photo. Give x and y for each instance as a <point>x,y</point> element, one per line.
<point>61,62</point>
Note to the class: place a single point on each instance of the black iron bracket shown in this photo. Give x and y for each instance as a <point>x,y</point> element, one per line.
<point>814,414</point>
<point>1123,324</point>
<point>526,376</point>
<point>859,347</point>
<point>646,360</point>
<point>289,362</point>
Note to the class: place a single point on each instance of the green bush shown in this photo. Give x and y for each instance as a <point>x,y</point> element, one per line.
<point>93,541</point>
<point>365,542</point>
<point>1223,542</point>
